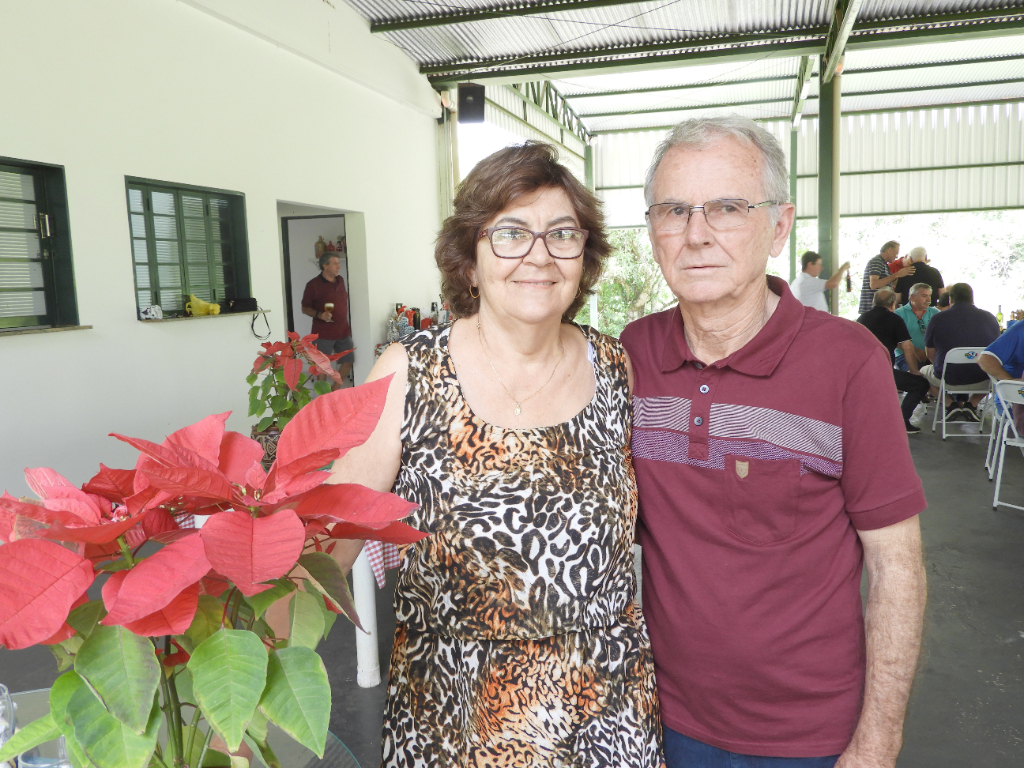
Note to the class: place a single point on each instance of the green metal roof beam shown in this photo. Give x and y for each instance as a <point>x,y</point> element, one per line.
<point>846,113</point>
<point>449,74</point>
<point>686,87</point>
<point>862,39</point>
<point>803,83</point>
<point>790,43</point>
<point>844,14</point>
<point>879,92</point>
<point>574,125</point>
<point>483,14</point>
<point>813,37</point>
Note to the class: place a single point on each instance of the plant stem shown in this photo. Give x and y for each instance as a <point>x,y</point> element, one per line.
<point>156,756</point>
<point>169,719</point>
<point>206,746</point>
<point>235,608</point>
<point>192,736</point>
<point>126,551</point>
<point>175,706</point>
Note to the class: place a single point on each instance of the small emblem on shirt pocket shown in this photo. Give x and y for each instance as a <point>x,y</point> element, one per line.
<point>761,498</point>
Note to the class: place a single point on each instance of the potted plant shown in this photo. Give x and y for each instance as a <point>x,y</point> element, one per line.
<point>283,389</point>
<point>179,638</point>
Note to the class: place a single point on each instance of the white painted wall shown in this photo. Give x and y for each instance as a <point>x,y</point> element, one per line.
<point>289,102</point>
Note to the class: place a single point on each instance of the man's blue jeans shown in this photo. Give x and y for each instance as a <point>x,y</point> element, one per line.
<point>684,752</point>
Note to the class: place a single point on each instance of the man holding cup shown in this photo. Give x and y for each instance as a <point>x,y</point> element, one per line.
<point>326,301</point>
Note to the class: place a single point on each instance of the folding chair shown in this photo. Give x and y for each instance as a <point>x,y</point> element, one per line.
<point>998,412</point>
<point>1010,393</point>
<point>957,356</point>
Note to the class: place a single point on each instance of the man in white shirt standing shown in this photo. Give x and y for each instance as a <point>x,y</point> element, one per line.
<point>809,288</point>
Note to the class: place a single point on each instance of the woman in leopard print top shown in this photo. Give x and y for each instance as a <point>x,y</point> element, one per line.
<point>519,641</point>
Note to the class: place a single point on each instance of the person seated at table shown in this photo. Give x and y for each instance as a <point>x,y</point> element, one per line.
<point>962,325</point>
<point>915,314</point>
<point>1003,359</point>
<point>892,332</point>
<point>942,303</point>
<point>519,641</point>
<point>809,288</point>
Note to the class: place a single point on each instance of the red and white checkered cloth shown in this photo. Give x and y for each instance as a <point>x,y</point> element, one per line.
<point>383,556</point>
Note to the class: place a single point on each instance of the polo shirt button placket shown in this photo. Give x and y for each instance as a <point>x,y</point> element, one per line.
<point>700,412</point>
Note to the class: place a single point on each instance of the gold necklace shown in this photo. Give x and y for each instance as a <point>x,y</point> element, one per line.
<point>519,403</point>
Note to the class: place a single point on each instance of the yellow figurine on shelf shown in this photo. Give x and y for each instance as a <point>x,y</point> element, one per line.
<point>199,307</point>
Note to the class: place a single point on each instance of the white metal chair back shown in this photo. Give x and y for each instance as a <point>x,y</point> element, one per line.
<point>999,412</point>
<point>957,356</point>
<point>1010,392</point>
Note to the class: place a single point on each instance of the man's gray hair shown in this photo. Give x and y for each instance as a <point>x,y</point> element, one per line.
<point>885,297</point>
<point>916,288</point>
<point>700,132</point>
<point>918,254</point>
<point>325,258</point>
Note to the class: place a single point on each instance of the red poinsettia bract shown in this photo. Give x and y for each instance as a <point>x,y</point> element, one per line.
<point>257,524</point>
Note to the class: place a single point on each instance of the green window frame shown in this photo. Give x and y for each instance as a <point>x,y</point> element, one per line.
<point>37,283</point>
<point>186,241</point>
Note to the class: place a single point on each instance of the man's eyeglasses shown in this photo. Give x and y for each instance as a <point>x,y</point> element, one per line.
<point>516,242</point>
<point>720,214</point>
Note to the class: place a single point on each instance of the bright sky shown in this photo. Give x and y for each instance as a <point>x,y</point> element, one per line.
<point>478,140</point>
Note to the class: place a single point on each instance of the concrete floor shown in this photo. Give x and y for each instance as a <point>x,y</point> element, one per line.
<point>967,706</point>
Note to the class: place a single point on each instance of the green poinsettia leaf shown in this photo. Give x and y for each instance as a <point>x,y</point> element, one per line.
<point>298,696</point>
<point>229,672</point>
<point>250,379</point>
<point>60,694</point>
<point>322,387</point>
<point>208,618</point>
<point>124,672</point>
<point>85,617</point>
<point>30,736</point>
<point>265,423</point>
<point>107,741</point>
<point>262,601</point>
<point>306,620</point>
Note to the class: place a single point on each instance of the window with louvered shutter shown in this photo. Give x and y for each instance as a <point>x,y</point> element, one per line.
<point>186,242</point>
<point>36,280</point>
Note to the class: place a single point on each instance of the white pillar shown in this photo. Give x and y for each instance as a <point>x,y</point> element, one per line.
<point>364,595</point>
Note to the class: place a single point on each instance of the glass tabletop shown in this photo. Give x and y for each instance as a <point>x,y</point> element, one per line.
<point>31,705</point>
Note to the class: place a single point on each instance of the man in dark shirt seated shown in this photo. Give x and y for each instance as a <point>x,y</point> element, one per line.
<point>962,325</point>
<point>890,329</point>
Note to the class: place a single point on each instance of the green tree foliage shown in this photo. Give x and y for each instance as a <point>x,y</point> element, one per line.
<point>631,286</point>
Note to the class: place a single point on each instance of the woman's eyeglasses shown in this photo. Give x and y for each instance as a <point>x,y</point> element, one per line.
<point>516,242</point>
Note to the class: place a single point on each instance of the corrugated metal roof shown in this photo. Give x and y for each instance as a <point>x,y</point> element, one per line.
<point>527,39</point>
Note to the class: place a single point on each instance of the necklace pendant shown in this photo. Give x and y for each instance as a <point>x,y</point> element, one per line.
<point>519,409</point>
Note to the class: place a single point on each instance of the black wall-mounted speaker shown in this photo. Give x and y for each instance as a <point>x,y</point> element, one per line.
<point>471,103</point>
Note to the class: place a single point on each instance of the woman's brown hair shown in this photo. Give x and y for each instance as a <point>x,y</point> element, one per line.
<point>492,186</point>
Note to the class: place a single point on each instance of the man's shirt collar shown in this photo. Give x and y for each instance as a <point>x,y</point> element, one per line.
<point>760,355</point>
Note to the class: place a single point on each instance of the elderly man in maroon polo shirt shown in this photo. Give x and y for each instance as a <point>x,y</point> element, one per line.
<point>772,464</point>
<point>326,301</point>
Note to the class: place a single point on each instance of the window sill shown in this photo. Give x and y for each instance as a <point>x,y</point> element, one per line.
<point>206,317</point>
<point>58,329</point>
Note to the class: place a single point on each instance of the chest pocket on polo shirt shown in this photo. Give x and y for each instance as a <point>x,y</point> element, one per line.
<point>761,498</point>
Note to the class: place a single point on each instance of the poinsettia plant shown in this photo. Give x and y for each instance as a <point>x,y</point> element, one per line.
<point>283,391</point>
<point>179,636</point>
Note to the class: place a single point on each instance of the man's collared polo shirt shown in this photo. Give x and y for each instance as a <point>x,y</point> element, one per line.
<point>1008,349</point>
<point>755,474</point>
<point>320,291</point>
<point>962,325</point>
<point>916,326</point>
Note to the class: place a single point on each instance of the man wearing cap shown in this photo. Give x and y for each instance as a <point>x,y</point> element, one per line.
<point>772,465</point>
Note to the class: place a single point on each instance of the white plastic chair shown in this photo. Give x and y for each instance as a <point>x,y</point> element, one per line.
<point>1011,393</point>
<point>957,356</point>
